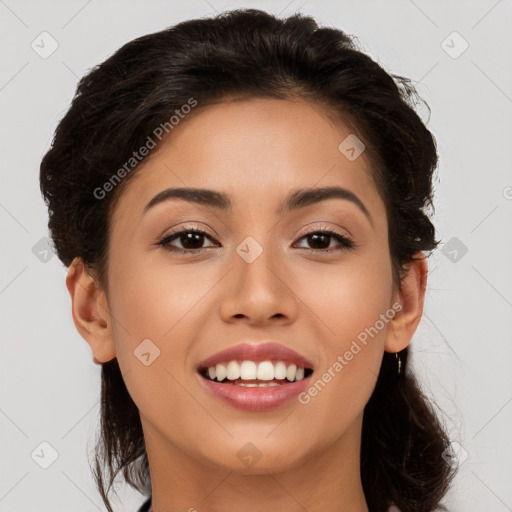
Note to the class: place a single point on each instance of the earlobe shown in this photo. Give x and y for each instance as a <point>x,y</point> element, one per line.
<point>411,297</point>
<point>89,309</point>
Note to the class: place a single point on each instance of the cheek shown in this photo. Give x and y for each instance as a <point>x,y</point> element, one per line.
<point>157,298</point>
<point>156,315</point>
<point>353,302</point>
<point>347,296</point>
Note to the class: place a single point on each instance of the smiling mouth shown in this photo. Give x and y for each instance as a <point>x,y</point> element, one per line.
<point>255,374</point>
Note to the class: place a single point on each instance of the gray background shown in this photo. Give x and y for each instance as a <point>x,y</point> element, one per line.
<point>462,349</point>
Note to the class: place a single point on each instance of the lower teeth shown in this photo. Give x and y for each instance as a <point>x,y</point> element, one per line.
<point>250,384</point>
<point>254,385</point>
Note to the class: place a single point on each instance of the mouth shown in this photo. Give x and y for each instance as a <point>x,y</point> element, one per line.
<point>249,373</point>
<point>255,377</point>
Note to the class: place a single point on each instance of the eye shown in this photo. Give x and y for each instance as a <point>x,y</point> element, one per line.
<point>191,240</point>
<point>324,237</point>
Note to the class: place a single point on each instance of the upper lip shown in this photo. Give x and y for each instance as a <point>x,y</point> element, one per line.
<point>257,352</point>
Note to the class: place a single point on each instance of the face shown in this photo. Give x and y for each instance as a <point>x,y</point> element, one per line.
<point>254,274</point>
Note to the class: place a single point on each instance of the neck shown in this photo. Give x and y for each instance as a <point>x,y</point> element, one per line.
<point>327,480</point>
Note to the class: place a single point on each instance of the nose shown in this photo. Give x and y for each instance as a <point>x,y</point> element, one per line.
<point>259,292</point>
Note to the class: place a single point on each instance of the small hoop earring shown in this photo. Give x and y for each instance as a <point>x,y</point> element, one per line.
<point>399,363</point>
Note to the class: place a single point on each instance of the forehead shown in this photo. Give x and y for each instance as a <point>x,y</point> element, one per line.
<point>253,149</point>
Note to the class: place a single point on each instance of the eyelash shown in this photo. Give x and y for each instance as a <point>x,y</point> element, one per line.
<point>346,243</point>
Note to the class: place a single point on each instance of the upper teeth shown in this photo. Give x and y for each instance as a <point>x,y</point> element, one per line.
<point>250,370</point>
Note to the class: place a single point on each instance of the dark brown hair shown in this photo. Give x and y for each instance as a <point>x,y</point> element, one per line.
<point>247,52</point>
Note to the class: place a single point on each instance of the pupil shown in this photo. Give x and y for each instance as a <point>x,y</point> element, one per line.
<point>185,239</point>
<point>319,235</point>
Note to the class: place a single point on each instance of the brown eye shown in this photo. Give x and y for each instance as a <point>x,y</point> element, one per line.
<point>191,240</point>
<point>321,241</point>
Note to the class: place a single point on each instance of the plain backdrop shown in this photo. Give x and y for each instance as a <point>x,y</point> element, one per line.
<point>458,54</point>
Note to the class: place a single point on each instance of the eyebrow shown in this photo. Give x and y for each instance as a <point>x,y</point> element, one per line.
<point>295,200</point>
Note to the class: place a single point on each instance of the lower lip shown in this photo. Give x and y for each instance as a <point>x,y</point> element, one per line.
<point>256,399</point>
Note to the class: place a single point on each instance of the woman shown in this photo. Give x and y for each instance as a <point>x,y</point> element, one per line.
<point>241,202</point>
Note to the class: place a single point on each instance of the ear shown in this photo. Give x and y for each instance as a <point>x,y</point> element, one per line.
<point>89,308</point>
<point>411,296</point>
